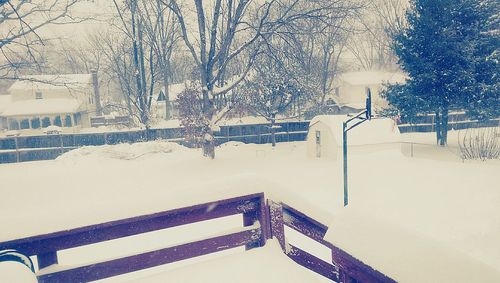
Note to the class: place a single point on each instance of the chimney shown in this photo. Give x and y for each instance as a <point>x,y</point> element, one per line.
<point>97,96</point>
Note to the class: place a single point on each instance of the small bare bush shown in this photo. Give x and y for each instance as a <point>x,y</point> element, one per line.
<point>481,143</point>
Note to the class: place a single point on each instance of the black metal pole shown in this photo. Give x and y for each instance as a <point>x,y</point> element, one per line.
<point>344,141</point>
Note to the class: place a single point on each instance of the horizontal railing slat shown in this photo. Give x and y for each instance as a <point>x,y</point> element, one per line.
<point>151,259</point>
<point>312,262</point>
<point>132,226</point>
<point>304,224</point>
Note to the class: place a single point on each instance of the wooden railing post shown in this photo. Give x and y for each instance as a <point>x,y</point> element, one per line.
<point>259,214</point>
<point>46,259</point>
<point>277,225</point>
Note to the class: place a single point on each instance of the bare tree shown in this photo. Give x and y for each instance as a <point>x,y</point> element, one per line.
<point>21,21</point>
<point>162,34</point>
<point>228,31</point>
<point>371,45</point>
<point>278,81</point>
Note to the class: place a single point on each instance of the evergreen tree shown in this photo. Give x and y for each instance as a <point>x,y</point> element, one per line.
<point>449,49</point>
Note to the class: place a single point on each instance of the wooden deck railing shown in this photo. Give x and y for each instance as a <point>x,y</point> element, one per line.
<point>261,221</point>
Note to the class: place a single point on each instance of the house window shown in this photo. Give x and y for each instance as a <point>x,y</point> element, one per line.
<point>57,121</point>
<point>46,122</point>
<point>25,124</point>
<point>35,123</point>
<point>77,117</point>
<point>67,121</point>
<point>38,95</point>
<point>13,124</point>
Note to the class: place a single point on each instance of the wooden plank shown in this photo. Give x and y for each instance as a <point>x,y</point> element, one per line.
<point>353,268</point>
<point>151,259</point>
<point>132,226</point>
<point>304,224</point>
<point>277,224</point>
<point>313,263</point>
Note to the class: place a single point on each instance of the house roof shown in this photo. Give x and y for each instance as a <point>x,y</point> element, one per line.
<point>174,90</point>
<point>42,107</point>
<point>371,78</point>
<point>51,82</point>
<point>5,102</point>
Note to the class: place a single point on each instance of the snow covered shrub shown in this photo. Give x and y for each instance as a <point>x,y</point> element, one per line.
<point>481,143</point>
<point>193,119</point>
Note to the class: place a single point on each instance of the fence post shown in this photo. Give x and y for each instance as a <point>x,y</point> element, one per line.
<point>288,131</point>
<point>18,157</point>
<point>61,145</point>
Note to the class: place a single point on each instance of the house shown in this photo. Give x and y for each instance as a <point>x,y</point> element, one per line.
<point>5,101</point>
<point>174,90</point>
<point>158,103</point>
<point>325,136</point>
<point>40,101</point>
<point>350,90</point>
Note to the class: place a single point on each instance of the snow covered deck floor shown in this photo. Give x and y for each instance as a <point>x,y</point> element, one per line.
<point>267,264</point>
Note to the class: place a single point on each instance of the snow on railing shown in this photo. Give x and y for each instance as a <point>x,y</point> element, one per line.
<point>45,247</point>
<point>261,220</point>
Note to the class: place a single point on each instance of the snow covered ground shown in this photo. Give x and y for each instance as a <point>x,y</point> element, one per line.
<point>433,195</point>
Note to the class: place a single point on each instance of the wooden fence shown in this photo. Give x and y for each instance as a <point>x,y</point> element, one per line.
<point>456,121</point>
<point>262,220</point>
<point>31,148</point>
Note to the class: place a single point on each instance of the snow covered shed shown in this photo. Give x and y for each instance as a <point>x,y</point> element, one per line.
<point>324,139</point>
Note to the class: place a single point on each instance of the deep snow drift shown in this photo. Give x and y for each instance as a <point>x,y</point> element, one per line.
<point>433,195</point>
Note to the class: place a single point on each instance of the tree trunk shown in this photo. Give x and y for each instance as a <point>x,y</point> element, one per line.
<point>273,134</point>
<point>166,93</point>
<point>437,122</point>
<point>444,127</point>
<point>208,143</point>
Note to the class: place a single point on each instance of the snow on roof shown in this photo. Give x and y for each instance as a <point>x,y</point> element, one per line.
<point>50,82</point>
<point>374,131</point>
<point>174,90</point>
<point>5,102</point>
<point>402,254</point>
<point>371,77</point>
<point>42,107</point>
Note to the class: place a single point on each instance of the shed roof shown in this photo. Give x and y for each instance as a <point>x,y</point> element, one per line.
<point>42,107</point>
<point>375,131</point>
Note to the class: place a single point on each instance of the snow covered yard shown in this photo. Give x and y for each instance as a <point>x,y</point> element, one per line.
<point>433,195</point>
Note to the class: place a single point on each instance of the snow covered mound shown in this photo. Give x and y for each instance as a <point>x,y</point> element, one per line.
<point>124,151</point>
<point>401,254</point>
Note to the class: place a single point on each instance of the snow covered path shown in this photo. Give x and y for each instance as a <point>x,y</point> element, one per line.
<point>441,198</point>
